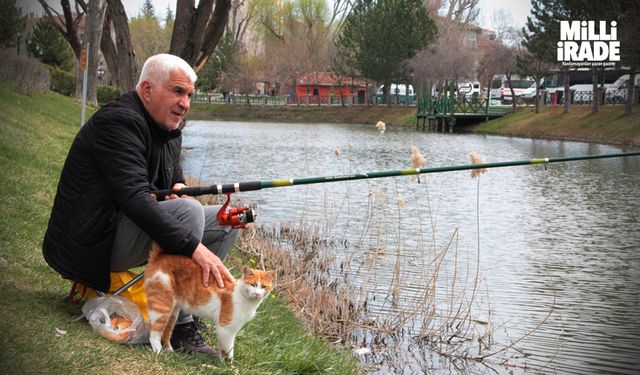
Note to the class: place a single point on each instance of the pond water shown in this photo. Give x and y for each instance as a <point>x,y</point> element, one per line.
<point>555,249</point>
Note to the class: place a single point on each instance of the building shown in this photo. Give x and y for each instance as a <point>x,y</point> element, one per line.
<point>326,84</point>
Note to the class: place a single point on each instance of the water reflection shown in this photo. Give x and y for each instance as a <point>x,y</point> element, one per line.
<point>568,227</point>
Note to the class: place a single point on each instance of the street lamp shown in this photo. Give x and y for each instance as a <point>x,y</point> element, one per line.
<point>100,73</point>
<point>18,35</point>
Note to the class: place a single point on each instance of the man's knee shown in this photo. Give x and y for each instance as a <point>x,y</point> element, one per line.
<point>188,211</point>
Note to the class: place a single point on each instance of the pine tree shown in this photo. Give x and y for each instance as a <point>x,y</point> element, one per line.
<point>378,37</point>
<point>10,23</point>
<point>47,45</point>
<point>148,11</point>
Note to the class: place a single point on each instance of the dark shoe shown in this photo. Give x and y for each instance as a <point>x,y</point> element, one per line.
<point>186,338</point>
<point>200,324</point>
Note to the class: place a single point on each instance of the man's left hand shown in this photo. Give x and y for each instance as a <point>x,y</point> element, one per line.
<point>176,188</point>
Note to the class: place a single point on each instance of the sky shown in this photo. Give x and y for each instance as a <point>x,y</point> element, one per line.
<point>519,9</point>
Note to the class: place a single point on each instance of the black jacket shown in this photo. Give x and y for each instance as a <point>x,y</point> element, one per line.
<point>115,160</point>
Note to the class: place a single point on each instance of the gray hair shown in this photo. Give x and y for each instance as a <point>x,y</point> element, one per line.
<point>158,67</point>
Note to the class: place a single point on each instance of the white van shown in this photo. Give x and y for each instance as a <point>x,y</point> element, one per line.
<point>400,91</point>
<point>617,92</point>
<point>468,89</point>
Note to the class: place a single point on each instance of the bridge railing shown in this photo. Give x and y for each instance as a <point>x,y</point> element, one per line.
<point>444,106</point>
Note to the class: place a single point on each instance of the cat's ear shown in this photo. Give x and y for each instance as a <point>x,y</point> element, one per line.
<point>271,275</point>
<point>246,271</point>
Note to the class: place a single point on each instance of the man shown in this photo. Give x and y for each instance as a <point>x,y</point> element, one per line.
<point>104,216</point>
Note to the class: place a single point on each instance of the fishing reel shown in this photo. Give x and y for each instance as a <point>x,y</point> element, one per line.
<point>237,217</point>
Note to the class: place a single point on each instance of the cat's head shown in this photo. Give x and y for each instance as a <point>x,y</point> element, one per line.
<point>256,284</point>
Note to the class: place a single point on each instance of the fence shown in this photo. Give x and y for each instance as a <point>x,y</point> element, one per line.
<point>282,100</point>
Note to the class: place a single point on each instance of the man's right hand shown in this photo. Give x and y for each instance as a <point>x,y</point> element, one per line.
<point>211,265</point>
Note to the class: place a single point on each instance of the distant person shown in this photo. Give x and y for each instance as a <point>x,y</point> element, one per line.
<point>104,217</point>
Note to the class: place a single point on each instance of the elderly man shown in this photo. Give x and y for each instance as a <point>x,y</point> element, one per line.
<point>104,216</point>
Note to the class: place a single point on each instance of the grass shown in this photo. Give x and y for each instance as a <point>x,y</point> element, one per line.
<point>36,134</point>
<point>400,115</point>
<point>609,125</point>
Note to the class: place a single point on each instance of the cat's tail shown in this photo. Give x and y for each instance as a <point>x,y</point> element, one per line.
<point>155,251</point>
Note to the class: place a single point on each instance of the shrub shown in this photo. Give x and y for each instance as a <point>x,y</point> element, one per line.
<point>107,93</point>
<point>27,75</point>
<point>62,82</point>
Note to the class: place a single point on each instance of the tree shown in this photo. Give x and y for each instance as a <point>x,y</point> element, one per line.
<point>448,59</point>
<point>198,30</point>
<point>119,55</point>
<point>47,45</point>
<point>378,38</point>
<point>540,43</point>
<point>629,47</point>
<point>223,60</point>
<point>541,35</point>
<point>147,10</point>
<point>506,62</point>
<point>10,23</point>
<point>147,38</point>
<point>68,24</point>
<point>534,66</point>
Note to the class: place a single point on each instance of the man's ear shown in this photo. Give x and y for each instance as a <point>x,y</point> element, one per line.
<point>145,88</point>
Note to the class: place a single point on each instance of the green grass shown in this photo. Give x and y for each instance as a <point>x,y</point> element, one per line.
<point>36,134</point>
<point>609,125</point>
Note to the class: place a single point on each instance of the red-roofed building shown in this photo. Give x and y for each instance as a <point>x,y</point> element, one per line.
<point>324,84</point>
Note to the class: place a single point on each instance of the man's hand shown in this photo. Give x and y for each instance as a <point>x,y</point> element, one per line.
<point>211,265</point>
<point>176,188</point>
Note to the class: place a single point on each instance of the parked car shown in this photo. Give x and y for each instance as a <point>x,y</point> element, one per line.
<point>618,91</point>
<point>397,90</point>
<point>519,86</point>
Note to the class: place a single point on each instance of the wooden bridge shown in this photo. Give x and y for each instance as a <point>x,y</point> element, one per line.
<point>444,111</point>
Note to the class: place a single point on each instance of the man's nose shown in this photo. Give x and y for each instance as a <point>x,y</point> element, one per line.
<point>184,102</point>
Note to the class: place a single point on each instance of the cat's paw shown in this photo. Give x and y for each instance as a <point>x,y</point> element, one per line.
<point>156,346</point>
<point>155,341</point>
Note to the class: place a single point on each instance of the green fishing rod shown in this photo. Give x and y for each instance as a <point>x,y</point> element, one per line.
<point>264,184</point>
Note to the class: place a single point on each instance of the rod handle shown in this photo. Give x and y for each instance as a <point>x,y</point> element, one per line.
<point>191,191</point>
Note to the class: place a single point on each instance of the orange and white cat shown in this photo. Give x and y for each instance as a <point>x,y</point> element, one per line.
<point>174,282</point>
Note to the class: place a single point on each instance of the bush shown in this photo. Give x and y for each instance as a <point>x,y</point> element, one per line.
<point>107,93</point>
<point>62,82</point>
<point>27,75</point>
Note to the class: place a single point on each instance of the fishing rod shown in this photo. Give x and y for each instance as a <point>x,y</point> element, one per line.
<point>236,187</point>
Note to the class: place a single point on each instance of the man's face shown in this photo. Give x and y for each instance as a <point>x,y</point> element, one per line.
<point>168,102</point>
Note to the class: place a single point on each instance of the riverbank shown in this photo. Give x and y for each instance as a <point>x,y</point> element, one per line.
<point>39,334</point>
<point>610,125</point>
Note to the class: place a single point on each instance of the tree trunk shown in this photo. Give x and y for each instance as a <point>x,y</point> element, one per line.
<point>594,102</point>
<point>537,98</point>
<point>567,93</point>
<point>513,93</point>
<point>120,57</point>
<point>68,26</point>
<point>95,20</point>
<point>198,30</point>
<point>628,108</point>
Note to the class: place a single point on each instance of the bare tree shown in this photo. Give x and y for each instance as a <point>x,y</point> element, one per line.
<point>68,24</point>
<point>460,11</point>
<point>449,59</point>
<point>119,55</point>
<point>198,30</point>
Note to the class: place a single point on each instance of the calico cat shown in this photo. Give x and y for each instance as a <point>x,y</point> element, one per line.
<point>173,283</point>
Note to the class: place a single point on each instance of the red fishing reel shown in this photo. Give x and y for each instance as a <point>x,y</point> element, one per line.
<point>237,217</point>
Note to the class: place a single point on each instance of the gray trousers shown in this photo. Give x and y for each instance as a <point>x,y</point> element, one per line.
<point>131,244</point>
